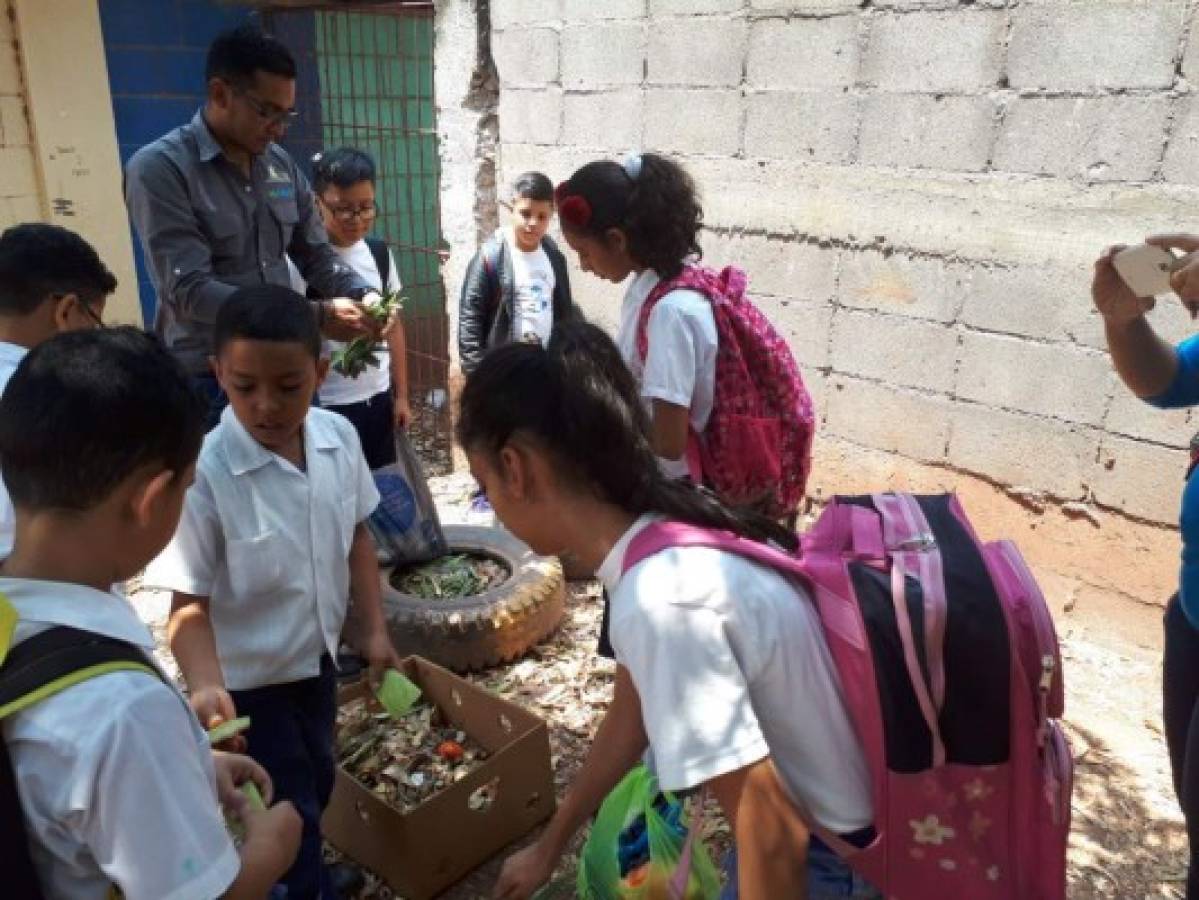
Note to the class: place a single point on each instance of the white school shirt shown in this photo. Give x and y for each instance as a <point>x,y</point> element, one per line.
<point>730,663</point>
<point>269,546</point>
<point>10,357</point>
<point>115,773</point>
<point>533,283</point>
<point>680,364</point>
<point>337,389</point>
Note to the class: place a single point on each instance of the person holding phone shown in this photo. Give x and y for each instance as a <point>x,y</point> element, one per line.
<point>1167,376</point>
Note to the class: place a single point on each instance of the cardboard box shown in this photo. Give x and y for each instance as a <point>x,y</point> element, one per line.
<point>421,852</point>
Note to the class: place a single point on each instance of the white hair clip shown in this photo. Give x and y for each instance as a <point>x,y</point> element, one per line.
<point>632,165</point>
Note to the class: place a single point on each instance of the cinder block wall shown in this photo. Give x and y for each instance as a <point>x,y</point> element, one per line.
<point>917,189</point>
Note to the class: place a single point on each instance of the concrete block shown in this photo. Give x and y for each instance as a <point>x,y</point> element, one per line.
<point>1141,479</point>
<point>693,7</point>
<point>805,6</point>
<point>924,131</point>
<point>712,124</point>
<point>14,124</point>
<point>887,418</point>
<point>803,54</point>
<point>589,10</point>
<point>526,56</point>
<point>609,120</point>
<point>901,351</point>
<point>1051,380</point>
<point>1100,139</point>
<point>957,51</point>
<point>903,285</point>
<point>1182,152</point>
<point>1094,45</point>
<point>818,128</point>
<point>603,54</point>
<point>805,326</point>
<point>1022,451</point>
<point>1132,417</point>
<point>1044,302</point>
<point>506,13</point>
<point>533,117</point>
<point>700,52</point>
<point>792,270</point>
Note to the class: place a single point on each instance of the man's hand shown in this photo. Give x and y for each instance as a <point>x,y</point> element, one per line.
<point>346,319</point>
<point>402,416</point>
<point>1112,297</point>
<point>1185,277</point>
<point>232,771</point>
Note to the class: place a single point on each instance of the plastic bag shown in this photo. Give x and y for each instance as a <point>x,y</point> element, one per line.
<point>635,846</point>
<point>405,524</point>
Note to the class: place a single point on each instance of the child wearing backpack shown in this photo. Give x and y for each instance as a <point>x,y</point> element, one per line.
<point>51,281</point>
<point>99,431</point>
<point>376,401</point>
<point>727,404</point>
<point>271,547</point>
<point>516,286</point>
<point>722,667</point>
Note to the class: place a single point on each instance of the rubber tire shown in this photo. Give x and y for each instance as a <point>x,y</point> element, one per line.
<point>487,629</point>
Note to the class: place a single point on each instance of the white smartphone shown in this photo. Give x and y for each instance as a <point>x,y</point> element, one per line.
<point>1145,269</point>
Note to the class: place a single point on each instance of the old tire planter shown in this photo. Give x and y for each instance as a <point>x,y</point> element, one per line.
<point>486,629</point>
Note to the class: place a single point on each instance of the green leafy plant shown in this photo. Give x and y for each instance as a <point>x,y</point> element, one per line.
<point>354,358</point>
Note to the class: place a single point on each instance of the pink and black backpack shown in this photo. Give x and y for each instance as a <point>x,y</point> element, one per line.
<point>951,672</point>
<point>756,449</point>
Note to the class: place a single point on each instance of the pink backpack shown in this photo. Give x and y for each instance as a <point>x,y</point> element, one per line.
<point>949,663</point>
<point>756,449</point>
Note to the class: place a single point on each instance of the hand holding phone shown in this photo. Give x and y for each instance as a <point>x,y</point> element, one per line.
<point>1146,269</point>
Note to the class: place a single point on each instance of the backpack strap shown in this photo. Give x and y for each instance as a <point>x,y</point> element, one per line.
<point>382,255</point>
<point>44,665</point>
<point>59,658</point>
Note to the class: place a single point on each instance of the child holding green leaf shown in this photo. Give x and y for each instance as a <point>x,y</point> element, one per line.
<point>271,547</point>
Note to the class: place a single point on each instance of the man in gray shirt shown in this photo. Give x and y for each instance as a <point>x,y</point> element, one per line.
<point>219,205</point>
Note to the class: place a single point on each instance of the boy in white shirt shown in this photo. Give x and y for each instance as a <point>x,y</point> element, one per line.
<point>516,287</point>
<point>271,546</point>
<point>99,432</point>
<point>51,280</point>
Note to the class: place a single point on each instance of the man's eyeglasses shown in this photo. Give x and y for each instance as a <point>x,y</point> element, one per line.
<point>85,306</point>
<point>365,212</point>
<point>268,112</point>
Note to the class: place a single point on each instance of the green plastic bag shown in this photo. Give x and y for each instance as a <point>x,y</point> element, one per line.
<point>397,693</point>
<point>635,845</point>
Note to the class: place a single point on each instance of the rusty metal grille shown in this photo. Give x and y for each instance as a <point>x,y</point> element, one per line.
<point>366,81</point>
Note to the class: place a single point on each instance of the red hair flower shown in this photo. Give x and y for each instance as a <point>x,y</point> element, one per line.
<point>575,211</point>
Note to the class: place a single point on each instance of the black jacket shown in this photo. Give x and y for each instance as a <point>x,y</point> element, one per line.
<point>485,318</point>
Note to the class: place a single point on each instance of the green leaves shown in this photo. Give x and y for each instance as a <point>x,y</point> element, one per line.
<point>353,359</point>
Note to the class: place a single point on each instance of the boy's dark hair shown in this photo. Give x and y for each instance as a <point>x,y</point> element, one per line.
<point>266,312</point>
<point>658,210</point>
<point>578,401</point>
<point>343,168</point>
<point>38,260</point>
<point>533,186</point>
<point>85,409</point>
<point>235,55</point>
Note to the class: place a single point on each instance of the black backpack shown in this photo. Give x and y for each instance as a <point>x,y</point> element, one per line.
<point>47,663</point>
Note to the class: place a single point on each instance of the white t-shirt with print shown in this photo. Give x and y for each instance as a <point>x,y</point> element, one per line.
<point>338,390</point>
<point>680,365</point>
<point>731,666</point>
<point>534,282</point>
<point>10,357</point>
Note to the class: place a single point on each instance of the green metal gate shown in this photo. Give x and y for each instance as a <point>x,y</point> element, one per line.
<point>366,80</point>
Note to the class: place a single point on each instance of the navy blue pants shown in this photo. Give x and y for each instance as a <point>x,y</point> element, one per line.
<point>291,736</point>
<point>374,420</point>
<point>1180,712</point>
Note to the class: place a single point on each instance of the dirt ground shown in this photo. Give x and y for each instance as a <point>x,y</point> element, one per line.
<point>1128,840</point>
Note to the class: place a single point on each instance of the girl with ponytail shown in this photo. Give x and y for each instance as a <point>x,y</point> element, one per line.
<point>722,666</point>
